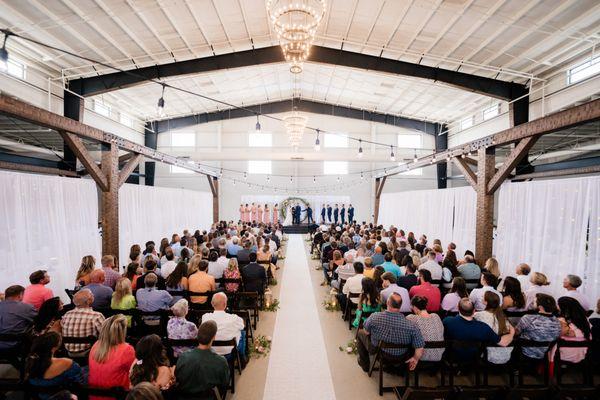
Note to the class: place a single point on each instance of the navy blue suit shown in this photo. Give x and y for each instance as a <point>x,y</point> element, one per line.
<point>351,214</point>
<point>343,215</point>
<point>329,209</point>
<point>336,213</point>
<point>323,210</point>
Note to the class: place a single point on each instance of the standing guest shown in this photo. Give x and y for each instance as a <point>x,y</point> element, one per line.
<point>488,283</point>
<point>539,284</point>
<point>323,210</point>
<point>389,287</point>
<point>275,214</point>
<point>410,278</point>
<point>88,264</point>
<point>259,216</point>
<point>201,369</point>
<point>151,299</point>
<point>343,214</point>
<point>37,293</point>
<point>367,302</point>
<point>522,272</point>
<point>512,295</point>
<point>267,215</point>
<point>102,294</point>
<point>470,271</point>
<point>432,266</point>
<point>329,211</point>
<point>179,327</point>
<point>111,357</point>
<point>242,209</point>
<point>493,316</point>
<point>389,266</point>
<point>122,298</point>
<point>575,327</point>
<point>232,272</point>
<point>491,266</point>
<point>229,326</point>
<point>247,211</point>
<point>81,322</point>
<point>336,214</point>
<point>392,327</point>
<point>457,292</point>
<point>541,327</point>
<point>48,318</point>
<point>44,370</point>
<point>150,268</point>
<point>254,211</point>
<point>430,325</point>
<point>110,275</point>
<point>16,317</point>
<point>254,276</point>
<point>198,279</point>
<point>168,263</point>
<point>131,273</point>
<point>151,364</point>
<point>427,290</point>
<point>571,283</point>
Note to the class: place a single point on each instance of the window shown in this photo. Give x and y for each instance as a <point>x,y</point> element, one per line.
<point>410,141</point>
<point>334,140</point>
<point>14,68</point>
<point>183,139</point>
<point>335,167</point>
<point>260,140</point>
<point>491,112</point>
<point>466,123</point>
<point>126,120</point>
<point>101,108</point>
<point>583,70</point>
<point>259,167</point>
<point>178,170</point>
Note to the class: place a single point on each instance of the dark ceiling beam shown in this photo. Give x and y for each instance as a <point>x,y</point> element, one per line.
<point>301,105</point>
<point>267,55</point>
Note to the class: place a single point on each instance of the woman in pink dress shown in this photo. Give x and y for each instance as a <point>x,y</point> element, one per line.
<point>246,214</point>
<point>242,209</point>
<point>275,214</point>
<point>254,211</point>
<point>260,213</point>
<point>266,215</point>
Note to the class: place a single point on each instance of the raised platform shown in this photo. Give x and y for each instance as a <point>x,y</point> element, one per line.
<point>297,229</point>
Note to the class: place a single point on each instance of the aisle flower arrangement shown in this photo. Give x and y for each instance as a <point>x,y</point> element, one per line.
<point>270,304</point>
<point>260,347</point>
<point>331,304</point>
<point>350,348</point>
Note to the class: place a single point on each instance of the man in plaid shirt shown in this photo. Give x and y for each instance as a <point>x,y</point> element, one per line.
<point>83,321</point>
<point>110,275</point>
<point>391,327</point>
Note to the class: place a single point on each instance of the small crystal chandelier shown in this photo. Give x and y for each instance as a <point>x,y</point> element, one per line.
<point>296,23</point>
<point>294,125</point>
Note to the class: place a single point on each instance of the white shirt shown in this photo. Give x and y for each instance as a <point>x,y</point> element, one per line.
<point>393,288</point>
<point>216,269</point>
<point>531,293</point>
<point>524,281</point>
<point>353,285</point>
<point>229,326</point>
<point>167,267</point>
<point>434,268</point>
<point>580,298</point>
<point>476,297</point>
<point>224,261</point>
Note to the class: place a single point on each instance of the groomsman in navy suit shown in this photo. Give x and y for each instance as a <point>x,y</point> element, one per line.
<point>336,214</point>
<point>343,214</point>
<point>329,209</point>
<point>323,210</point>
<point>350,213</point>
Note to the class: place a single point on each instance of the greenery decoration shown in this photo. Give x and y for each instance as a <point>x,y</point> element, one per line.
<point>260,347</point>
<point>289,201</point>
<point>272,307</point>
<point>350,348</point>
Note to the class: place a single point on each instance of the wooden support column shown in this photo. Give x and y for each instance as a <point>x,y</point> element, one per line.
<point>213,182</point>
<point>110,200</point>
<point>484,225</point>
<point>379,182</point>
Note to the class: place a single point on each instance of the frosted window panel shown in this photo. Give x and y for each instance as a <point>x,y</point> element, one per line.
<point>409,141</point>
<point>491,112</point>
<point>14,68</point>
<point>259,167</point>
<point>101,108</point>
<point>260,140</point>
<point>335,167</point>
<point>336,141</point>
<point>183,139</point>
<point>126,120</point>
<point>584,70</point>
<point>466,123</point>
<point>178,170</point>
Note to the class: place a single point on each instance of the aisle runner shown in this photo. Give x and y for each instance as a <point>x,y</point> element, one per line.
<point>298,366</point>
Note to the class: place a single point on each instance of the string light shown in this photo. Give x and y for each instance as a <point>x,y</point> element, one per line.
<point>257,124</point>
<point>161,102</point>
<point>3,51</point>
<point>317,142</point>
<point>361,176</point>
<point>360,149</point>
<point>415,158</point>
<point>392,156</point>
<point>314,179</point>
<point>268,179</point>
<point>245,176</point>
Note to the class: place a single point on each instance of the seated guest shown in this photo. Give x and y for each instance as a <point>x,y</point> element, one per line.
<point>151,364</point>
<point>177,280</point>
<point>389,287</point>
<point>16,317</point>
<point>595,323</point>
<point>229,326</point>
<point>180,328</point>
<point>150,268</point>
<point>254,276</point>
<point>449,269</point>
<point>215,269</point>
<point>512,296</point>
<point>368,302</point>
<point>369,268</point>
<point>353,284</point>
<point>234,247</point>
<point>493,316</point>
<point>430,325</point>
<point>457,292</point>
<point>122,298</point>
<point>198,279</point>
<point>48,318</point>
<point>392,327</point>
<point>491,266</point>
<point>81,322</point>
<point>470,271</point>
<point>111,357</point>
<point>343,272</point>
<point>378,257</point>
<point>37,293</point>
<point>135,254</point>
<point>152,299</point>
<point>328,268</point>
<point>432,266</point>
<point>102,294</point>
<point>232,272</point>
<point>427,290</point>
<point>571,283</point>
<point>243,255</point>
<point>110,275</point>
<point>541,327</point>
<point>43,369</point>
<point>402,253</point>
<point>88,264</point>
<point>488,283</point>
<point>410,278</point>
<point>465,328</point>
<point>522,273</point>
<point>389,266</point>
<point>168,264</point>
<point>538,284</point>
<point>575,327</point>
<point>200,369</point>
<point>132,274</point>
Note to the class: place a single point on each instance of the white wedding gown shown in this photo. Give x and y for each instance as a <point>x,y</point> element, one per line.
<point>288,217</point>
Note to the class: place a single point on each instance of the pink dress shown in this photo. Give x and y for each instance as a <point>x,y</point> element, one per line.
<point>260,214</point>
<point>275,215</point>
<point>266,216</point>
<point>247,214</point>
<point>241,213</point>
<point>253,214</point>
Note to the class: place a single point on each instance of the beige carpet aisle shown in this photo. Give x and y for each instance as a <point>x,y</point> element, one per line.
<point>298,366</point>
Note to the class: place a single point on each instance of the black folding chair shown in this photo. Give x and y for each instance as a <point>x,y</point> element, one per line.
<point>463,355</point>
<point>526,364</point>
<point>431,366</point>
<point>80,357</point>
<point>17,354</point>
<point>384,358</point>
<point>349,307</point>
<point>248,301</point>
<point>584,366</point>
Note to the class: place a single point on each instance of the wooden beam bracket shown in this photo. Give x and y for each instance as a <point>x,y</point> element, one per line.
<point>521,150</point>
<point>128,168</point>
<point>76,144</point>
<point>468,173</point>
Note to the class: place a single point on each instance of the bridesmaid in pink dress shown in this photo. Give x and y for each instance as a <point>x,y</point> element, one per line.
<point>275,214</point>
<point>254,211</point>
<point>242,210</point>
<point>260,213</point>
<point>266,215</point>
<point>247,214</point>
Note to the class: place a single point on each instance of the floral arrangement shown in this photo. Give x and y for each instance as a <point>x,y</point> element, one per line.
<point>289,201</point>
<point>331,303</point>
<point>270,306</point>
<point>260,347</point>
<point>350,348</point>
<point>273,282</point>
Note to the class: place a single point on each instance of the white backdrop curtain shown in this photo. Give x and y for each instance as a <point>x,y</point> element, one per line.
<point>152,213</point>
<point>545,224</point>
<point>316,203</point>
<point>591,282</point>
<point>448,214</point>
<point>46,222</point>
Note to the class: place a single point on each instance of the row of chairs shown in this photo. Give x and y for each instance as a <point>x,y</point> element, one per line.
<point>498,393</point>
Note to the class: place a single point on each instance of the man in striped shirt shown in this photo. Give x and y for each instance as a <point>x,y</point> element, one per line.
<point>83,321</point>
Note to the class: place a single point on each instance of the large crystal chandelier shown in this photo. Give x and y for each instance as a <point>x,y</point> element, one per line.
<point>294,125</point>
<point>296,23</point>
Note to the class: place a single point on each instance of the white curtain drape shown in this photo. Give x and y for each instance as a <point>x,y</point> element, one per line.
<point>152,213</point>
<point>591,281</point>
<point>46,222</point>
<point>545,224</point>
<point>465,208</point>
<point>316,202</point>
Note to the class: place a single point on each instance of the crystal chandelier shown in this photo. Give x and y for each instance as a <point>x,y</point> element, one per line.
<point>296,23</point>
<point>294,125</point>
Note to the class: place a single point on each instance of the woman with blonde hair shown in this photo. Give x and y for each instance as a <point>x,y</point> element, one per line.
<point>194,264</point>
<point>88,264</point>
<point>122,298</point>
<point>416,261</point>
<point>491,266</point>
<point>111,357</point>
<point>232,272</point>
<point>539,284</point>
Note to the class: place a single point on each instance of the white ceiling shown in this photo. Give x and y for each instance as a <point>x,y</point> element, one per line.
<point>505,39</point>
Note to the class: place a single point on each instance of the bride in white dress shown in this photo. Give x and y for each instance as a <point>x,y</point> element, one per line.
<point>288,216</point>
